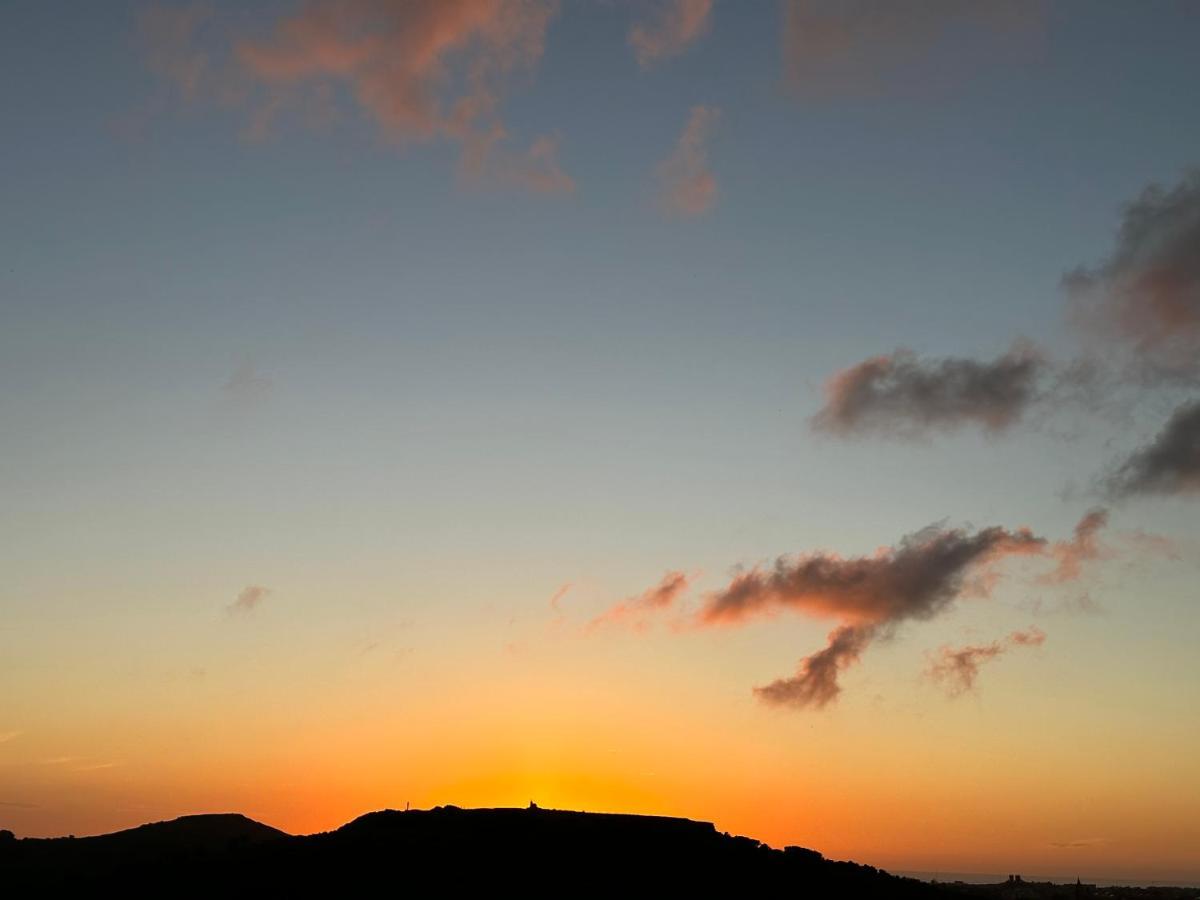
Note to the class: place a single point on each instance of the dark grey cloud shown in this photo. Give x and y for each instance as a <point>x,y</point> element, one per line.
<point>1169,464</point>
<point>905,395</point>
<point>915,580</point>
<point>1146,294</point>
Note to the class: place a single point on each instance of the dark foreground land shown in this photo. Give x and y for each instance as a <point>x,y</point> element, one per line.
<point>449,850</point>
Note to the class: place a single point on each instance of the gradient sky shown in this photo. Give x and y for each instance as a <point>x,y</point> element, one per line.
<point>358,359</point>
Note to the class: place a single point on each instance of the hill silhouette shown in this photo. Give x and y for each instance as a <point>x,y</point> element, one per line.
<point>528,850</point>
<point>532,852</point>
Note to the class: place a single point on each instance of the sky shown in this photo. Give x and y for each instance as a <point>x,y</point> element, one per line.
<point>778,414</point>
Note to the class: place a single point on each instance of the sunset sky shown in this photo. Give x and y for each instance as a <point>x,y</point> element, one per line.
<point>782,414</point>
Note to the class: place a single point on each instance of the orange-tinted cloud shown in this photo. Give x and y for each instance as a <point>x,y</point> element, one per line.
<point>634,612</point>
<point>956,669</point>
<point>870,595</point>
<point>422,70</point>
<point>687,187</point>
<point>904,395</point>
<point>673,25</point>
<point>1146,294</point>
<point>1083,547</point>
<point>1168,464</point>
<point>556,599</point>
<point>815,683</point>
<point>855,44</point>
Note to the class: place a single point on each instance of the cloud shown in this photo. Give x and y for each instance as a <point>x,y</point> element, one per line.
<point>1083,547</point>
<point>635,611</point>
<point>421,70</point>
<point>249,599</point>
<point>246,386</point>
<point>915,580</point>
<point>687,187</point>
<point>1169,464</point>
<point>815,683</point>
<point>16,804</point>
<point>675,25</point>
<point>855,44</point>
<point>1146,294</point>
<point>870,595</point>
<point>6,736</point>
<point>957,669</point>
<point>556,600</point>
<point>905,395</point>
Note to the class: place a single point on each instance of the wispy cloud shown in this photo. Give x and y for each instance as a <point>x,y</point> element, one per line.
<point>248,599</point>
<point>957,669</point>
<point>6,736</point>
<point>421,70</point>
<point>557,597</point>
<point>1083,547</point>
<point>635,612</point>
<point>671,26</point>
<point>687,187</point>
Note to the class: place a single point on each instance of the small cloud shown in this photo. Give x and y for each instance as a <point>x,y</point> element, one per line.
<point>17,804</point>
<point>6,736</point>
<point>958,668</point>
<point>1168,465</point>
<point>635,611</point>
<point>904,395</point>
<point>246,385</point>
<point>673,26</point>
<point>687,187</point>
<point>556,599</point>
<point>248,599</point>
<point>1082,548</point>
<point>1080,843</point>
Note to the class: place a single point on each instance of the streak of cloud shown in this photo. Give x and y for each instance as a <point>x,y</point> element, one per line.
<point>557,598</point>
<point>635,611</point>
<point>687,187</point>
